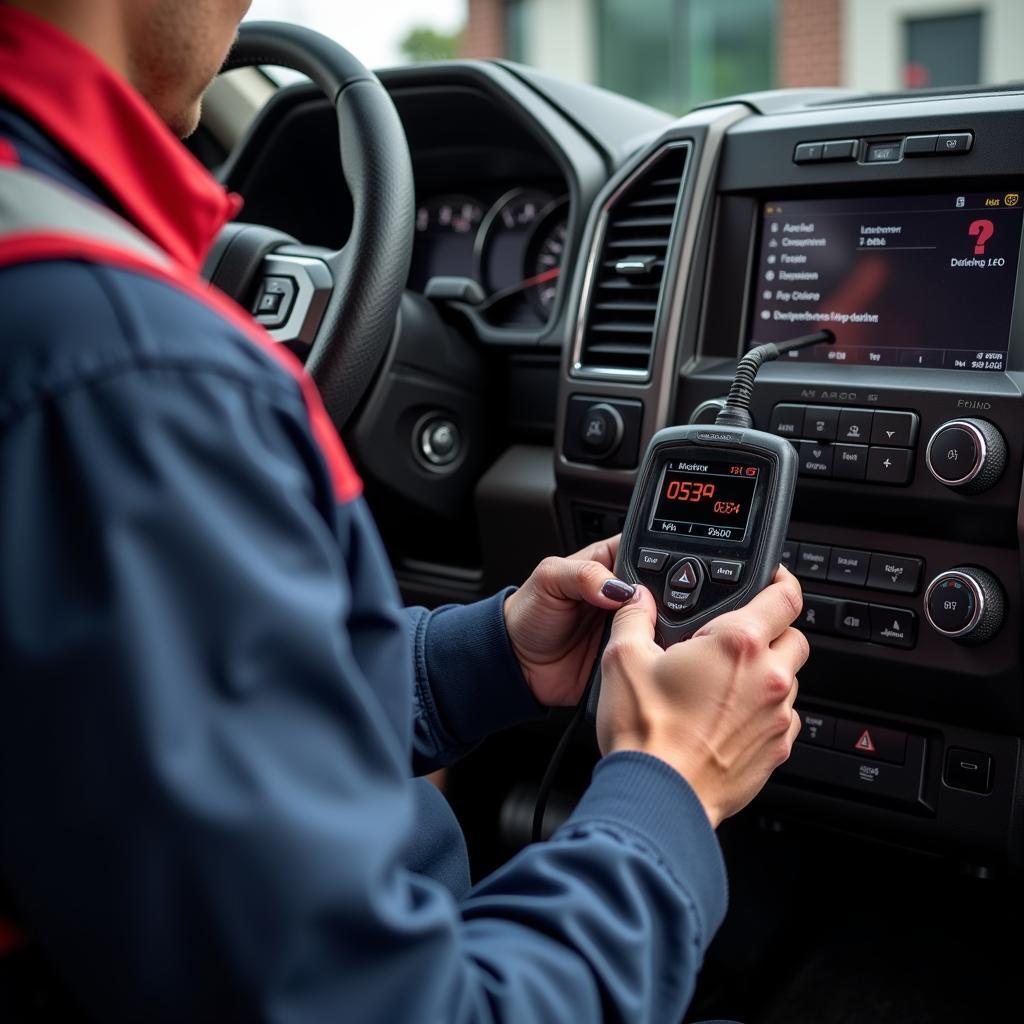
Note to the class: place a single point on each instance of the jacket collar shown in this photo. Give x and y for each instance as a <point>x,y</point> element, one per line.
<point>108,128</point>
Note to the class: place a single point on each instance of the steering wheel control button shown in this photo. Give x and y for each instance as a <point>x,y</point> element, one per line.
<point>893,627</point>
<point>812,561</point>
<point>969,770</point>
<point>889,466</point>
<point>815,459</point>
<point>965,604</point>
<point>684,585</point>
<point>650,560</point>
<point>437,442</point>
<point>871,741</point>
<point>274,301</point>
<point>967,455</point>
<point>723,571</point>
<point>853,619</point>
<point>894,429</point>
<point>787,420</point>
<point>848,566</point>
<point>896,573</point>
<point>819,730</point>
<point>821,422</point>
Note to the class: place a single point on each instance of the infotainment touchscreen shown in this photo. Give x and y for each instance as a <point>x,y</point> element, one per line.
<point>902,281</point>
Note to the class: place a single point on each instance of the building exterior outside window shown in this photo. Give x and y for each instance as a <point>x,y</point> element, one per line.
<point>675,54</point>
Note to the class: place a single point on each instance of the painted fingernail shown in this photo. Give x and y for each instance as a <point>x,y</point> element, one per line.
<point>616,590</point>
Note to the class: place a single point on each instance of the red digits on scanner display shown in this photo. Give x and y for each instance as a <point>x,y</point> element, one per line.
<point>689,490</point>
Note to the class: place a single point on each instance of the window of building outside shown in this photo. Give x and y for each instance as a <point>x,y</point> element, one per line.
<point>943,51</point>
<point>675,54</point>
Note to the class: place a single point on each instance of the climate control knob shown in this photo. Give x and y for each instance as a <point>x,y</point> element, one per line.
<point>965,604</point>
<point>968,456</point>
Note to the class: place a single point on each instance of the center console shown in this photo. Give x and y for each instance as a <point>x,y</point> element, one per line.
<point>897,224</point>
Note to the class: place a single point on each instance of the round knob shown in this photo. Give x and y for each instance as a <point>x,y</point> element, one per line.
<point>601,429</point>
<point>967,455</point>
<point>965,604</point>
<point>437,441</point>
<point>707,412</point>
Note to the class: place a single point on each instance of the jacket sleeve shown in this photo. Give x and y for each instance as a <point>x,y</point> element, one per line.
<point>467,680</point>
<point>202,776</point>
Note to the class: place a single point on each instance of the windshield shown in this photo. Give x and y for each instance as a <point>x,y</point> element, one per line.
<point>674,54</point>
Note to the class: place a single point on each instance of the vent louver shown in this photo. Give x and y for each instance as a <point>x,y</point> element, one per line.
<point>628,271</point>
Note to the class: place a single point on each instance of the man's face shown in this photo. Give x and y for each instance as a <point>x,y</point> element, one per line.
<point>176,49</point>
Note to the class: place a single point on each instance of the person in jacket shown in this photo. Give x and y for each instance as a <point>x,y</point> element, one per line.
<point>214,711</point>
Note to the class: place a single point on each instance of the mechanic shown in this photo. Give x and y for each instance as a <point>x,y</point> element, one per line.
<point>211,701</point>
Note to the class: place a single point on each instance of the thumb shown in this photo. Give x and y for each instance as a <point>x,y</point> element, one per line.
<point>588,581</point>
<point>633,625</point>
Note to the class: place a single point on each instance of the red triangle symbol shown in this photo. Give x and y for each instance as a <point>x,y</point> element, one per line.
<point>864,743</point>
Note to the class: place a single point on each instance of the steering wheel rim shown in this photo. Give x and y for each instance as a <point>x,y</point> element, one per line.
<point>371,270</point>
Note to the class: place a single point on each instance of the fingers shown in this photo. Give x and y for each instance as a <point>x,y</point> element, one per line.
<point>765,618</point>
<point>633,628</point>
<point>588,581</point>
<point>793,647</point>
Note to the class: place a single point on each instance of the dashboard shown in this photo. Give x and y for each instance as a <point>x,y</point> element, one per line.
<point>587,271</point>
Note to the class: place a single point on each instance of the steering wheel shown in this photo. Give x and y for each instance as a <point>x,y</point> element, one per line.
<point>359,287</point>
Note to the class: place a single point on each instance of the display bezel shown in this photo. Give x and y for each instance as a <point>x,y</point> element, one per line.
<point>1014,342</point>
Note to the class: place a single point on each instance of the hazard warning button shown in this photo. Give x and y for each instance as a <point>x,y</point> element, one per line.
<point>871,741</point>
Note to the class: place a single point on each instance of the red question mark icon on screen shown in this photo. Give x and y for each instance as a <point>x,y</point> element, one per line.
<point>984,229</point>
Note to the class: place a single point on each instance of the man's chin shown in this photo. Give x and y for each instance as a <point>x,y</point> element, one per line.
<point>185,124</point>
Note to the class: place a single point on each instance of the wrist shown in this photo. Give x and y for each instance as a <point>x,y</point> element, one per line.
<point>683,766</point>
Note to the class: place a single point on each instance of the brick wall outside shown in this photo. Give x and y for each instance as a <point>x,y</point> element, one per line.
<point>484,36</point>
<point>808,43</point>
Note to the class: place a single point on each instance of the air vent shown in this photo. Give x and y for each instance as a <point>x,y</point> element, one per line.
<point>624,287</point>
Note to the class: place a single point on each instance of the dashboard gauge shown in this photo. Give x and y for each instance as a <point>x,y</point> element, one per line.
<point>544,257</point>
<point>446,232</point>
<point>505,234</point>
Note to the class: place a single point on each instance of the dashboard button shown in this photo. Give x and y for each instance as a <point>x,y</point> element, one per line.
<point>947,145</point>
<point>844,149</point>
<point>894,627</point>
<point>651,560</point>
<point>922,358</point>
<point>807,153</point>
<point>815,459</point>
<point>818,615</point>
<point>883,153</point>
<point>821,422</point>
<point>726,572</point>
<point>920,145</point>
<point>789,550</point>
<point>889,465</point>
<point>601,429</point>
<point>853,619</point>
<point>896,573</point>
<point>849,461</point>
<point>812,561</point>
<point>817,729</point>
<point>848,566</point>
<point>896,429</point>
<point>871,741</point>
<point>787,420</point>
<point>855,426</point>
<point>970,770</point>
